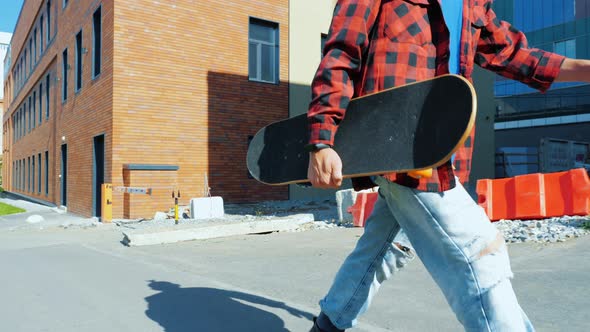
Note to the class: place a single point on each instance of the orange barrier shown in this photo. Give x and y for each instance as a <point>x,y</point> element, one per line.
<point>536,195</point>
<point>362,208</point>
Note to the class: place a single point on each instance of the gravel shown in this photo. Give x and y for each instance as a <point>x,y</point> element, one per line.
<point>558,229</point>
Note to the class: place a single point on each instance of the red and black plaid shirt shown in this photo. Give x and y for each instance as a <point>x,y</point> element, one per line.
<point>378,44</point>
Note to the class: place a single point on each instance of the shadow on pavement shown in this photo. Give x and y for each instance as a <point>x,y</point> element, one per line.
<point>179,309</point>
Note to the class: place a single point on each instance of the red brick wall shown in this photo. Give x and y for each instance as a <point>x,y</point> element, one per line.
<point>82,116</point>
<point>173,90</point>
<point>182,95</point>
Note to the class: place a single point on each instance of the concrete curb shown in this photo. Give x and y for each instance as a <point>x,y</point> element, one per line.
<point>211,230</point>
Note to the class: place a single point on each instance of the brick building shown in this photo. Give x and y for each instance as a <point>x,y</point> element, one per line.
<point>4,48</point>
<point>158,94</point>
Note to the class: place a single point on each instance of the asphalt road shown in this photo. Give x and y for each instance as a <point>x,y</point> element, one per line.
<point>86,280</point>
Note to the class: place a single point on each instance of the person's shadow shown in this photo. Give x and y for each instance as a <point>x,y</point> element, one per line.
<point>179,309</point>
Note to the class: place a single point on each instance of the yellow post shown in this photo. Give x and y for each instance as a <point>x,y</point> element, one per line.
<point>175,196</point>
<point>107,202</point>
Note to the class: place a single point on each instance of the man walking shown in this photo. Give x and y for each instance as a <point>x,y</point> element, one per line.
<point>378,44</point>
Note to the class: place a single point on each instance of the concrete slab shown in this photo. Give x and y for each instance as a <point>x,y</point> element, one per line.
<point>344,200</point>
<point>206,207</point>
<point>210,230</point>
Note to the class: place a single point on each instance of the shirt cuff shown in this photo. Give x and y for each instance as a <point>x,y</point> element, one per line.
<point>547,71</point>
<point>322,133</point>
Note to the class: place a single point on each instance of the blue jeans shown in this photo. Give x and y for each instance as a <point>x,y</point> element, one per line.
<point>461,249</point>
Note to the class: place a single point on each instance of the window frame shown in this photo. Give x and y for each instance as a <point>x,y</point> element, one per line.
<point>64,71</point>
<point>97,51</point>
<point>276,47</point>
<point>78,62</point>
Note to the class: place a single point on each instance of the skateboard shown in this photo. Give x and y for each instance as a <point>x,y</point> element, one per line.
<point>408,128</point>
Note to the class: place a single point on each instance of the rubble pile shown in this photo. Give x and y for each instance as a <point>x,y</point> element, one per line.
<point>557,229</point>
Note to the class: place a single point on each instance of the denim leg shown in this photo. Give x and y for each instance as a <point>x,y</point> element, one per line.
<point>463,252</point>
<point>375,258</point>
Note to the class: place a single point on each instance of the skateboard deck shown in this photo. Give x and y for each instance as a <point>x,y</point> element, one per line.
<point>407,128</point>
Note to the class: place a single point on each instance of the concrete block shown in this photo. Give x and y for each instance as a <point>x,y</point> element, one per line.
<point>160,216</point>
<point>345,199</point>
<point>207,207</point>
<point>212,230</point>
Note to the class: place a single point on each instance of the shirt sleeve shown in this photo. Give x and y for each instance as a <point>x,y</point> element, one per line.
<point>504,49</point>
<point>332,87</point>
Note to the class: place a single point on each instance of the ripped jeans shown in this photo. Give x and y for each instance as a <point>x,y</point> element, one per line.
<point>461,249</point>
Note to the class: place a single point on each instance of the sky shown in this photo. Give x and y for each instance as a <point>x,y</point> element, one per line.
<point>9,10</point>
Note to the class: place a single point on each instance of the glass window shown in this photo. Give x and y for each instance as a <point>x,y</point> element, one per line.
<point>48,21</point>
<point>528,19</point>
<point>29,116</point>
<point>34,103</point>
<point>64,79</point>
<point>566,48</point>
<point>569,11</point>
<point>263,57</point>
<point>78,61</point>
<point>547,17</point>
<point>537,16</point>
<point>39,173</point>
<point>97,41</point>
<point>35,44</point>
<point>46,172</point>
<point>41,34</point>
<point>47,97</point>
<point>28,174</point>
<point>33,174</point>
<point>40,103</point>
<point>557,12</point>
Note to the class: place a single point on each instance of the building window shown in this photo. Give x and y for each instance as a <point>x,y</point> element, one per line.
<point>47,97</point>
<point>41,34</point>
<point>33,174</point>
<point>30,117</point>
<point>64,74</point>
<point>39,174</point>
<point>41,103</point>
<point>28,174</point>
<point>97,42</point>
<point>31,58</point>
<point>35,44</point>
<point>78,61</point>
<point>48,21</point>
<point>19,175</point>
<point>34,103</point>
<point>65,3</point>
<point>263,51</point>
<point>24,67</point>
<point>46,173</point>
<point>566,48</point>
<point>24,123</point>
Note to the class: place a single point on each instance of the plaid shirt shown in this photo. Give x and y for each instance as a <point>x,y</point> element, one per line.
<point>378,44</point>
